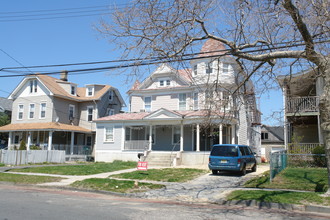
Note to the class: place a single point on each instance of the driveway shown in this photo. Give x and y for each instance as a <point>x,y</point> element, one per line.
<point>206,188</point>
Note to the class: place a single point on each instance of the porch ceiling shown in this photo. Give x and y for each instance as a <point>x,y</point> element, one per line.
<point>49,126</point>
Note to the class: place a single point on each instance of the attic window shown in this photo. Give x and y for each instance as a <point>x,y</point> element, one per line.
<point>110,95</point>
<point>225,68</point>
<point>209,68</point>
<point>90,91</point>
<point>264,136</point>
<point>33,86</point>
<point>195,70</point>
<point>164,82</point>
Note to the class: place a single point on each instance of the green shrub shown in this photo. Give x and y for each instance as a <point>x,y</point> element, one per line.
<point>22,145</point>
<point>34,147</point>
<point>319,160</point>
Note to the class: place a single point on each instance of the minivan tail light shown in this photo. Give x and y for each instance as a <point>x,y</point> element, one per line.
<point>238,161</point>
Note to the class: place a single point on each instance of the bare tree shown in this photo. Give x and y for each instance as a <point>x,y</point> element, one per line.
<point>267,37</point>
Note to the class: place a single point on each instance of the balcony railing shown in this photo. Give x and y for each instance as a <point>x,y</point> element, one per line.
<point>302,148</point>
<point>302,104</point>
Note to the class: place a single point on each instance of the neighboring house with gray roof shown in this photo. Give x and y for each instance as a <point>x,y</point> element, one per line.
<point>56,114</point>
<point>272,139</point>
<point>172,117</point>
<point>6,105</point>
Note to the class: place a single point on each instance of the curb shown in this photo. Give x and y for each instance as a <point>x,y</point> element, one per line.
<point>271,205</point>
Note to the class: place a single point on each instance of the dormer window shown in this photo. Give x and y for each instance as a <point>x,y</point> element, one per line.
<point>73,90</point>
<point>195,70</point>
<point>33,86</point>
<point>168,82</point>
<point>90,91</point>
<point>208,68</point>
<point>225,68</point>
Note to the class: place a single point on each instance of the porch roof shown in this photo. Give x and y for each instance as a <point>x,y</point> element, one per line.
<point>49,126</point>
<point>149,115</point>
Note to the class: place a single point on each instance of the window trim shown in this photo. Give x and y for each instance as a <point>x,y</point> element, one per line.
<point>34,110</point>
<point>105,135</point>
<point>73,111</point>
<point>144,99</point>
<point>209,68</point>
<point>185,101</point>
<point>195,68</point>
<point>108,112</point>
<point>40,113</point>
<point>88,113</point>
<point>18,111</point>
<point>73,89</point>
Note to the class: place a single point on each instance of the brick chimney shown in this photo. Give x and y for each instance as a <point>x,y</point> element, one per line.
<point>64,75</point>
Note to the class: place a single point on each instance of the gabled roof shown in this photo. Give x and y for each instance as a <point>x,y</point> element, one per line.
<point>277,131</point>
<point>53,86</point>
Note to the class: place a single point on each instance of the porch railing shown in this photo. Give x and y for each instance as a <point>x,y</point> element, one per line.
<point>136,145</point>
<point>77,149</point>
<point>302,148</point>
<point>302,104</point>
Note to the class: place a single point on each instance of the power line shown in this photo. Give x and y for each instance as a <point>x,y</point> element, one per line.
<point>143,62</point>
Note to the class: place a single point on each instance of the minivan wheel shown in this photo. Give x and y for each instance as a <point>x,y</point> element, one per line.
<point>254,168</point>
<point>243,171</point>
<point>214,172</point>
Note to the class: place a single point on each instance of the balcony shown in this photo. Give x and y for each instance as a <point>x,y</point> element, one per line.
<point>304,104</point>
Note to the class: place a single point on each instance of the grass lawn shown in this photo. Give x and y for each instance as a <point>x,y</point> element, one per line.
<point>27,179</point>
<point>280,197</point>
<point>308,179</point>
<point>84,169</point>
<point>2,165</point>
<point>121,186</point>
<point>305,179</point>
<point>165,175</point>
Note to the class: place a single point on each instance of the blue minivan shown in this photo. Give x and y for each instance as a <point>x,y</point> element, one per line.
<point>232,157</point>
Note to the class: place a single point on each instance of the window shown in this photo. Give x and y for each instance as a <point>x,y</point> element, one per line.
<point>71,112</point>
<point>225,68</point>
<point>195,70</point>
<point>161,82</point>
<point>176,131</point>
<point>208,68</point>
<point>264,136</point>
<point>196,101</point>
<point>110,95</point>
<point>90,113</point>
<point>73,90</point>
<point>168,82</point>
<point>90,91</point>
<point>108,136</point>
<point>147,104</point>
<point>33,86</point>
<point>31,111</point>
<point>20,112</point>
<point>164,82</point>
<point>208,97</point>
<point>110,111</point>
<point>182,101</point>
<point>42,110</point>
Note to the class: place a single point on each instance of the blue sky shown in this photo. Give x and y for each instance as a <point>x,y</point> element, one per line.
<point>71,40</point>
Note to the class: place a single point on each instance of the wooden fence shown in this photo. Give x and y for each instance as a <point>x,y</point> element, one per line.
<point>21,157</point>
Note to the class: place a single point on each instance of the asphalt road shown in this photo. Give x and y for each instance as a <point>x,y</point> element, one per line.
<point>28,202</point>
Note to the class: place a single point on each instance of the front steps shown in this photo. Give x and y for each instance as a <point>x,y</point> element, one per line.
<point>161,159</point>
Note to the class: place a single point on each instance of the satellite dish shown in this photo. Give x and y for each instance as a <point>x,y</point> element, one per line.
<point>57,118</point>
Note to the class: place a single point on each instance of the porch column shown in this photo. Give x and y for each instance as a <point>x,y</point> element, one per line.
<point>72,143</point>
<point>150,137</point>
<point>286,130</point>
<point>181,137</point>
<point>29,141</point>
<point>198,147</point>
<point>220,133</point>
<point>50,140</point>
<point>9,140</point>
<point>233,134</point>
<point>319,130</point>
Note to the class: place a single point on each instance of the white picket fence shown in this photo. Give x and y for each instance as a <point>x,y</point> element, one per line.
<point>21,157</point>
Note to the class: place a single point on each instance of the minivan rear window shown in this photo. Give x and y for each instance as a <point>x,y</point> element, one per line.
<point>225,151</point>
